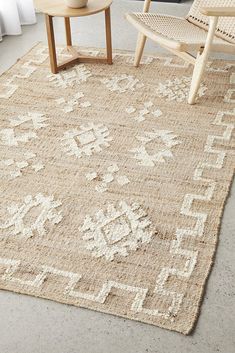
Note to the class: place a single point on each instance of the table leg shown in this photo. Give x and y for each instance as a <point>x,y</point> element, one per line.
<point>108,36</point>
<point>51,44</point>
<point>68,31</point>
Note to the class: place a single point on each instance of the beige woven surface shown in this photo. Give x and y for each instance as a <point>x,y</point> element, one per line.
<point>226,25</point>
<point>112,186</point>
<point>176,28</point>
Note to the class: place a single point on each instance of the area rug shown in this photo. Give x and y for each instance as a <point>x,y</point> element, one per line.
<point>112,186</point>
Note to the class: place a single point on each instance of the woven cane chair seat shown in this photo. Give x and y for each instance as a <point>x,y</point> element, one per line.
<point>177,32</point>
<point>185,35</point>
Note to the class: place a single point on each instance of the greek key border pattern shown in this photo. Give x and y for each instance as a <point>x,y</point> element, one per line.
<point>176,248</point>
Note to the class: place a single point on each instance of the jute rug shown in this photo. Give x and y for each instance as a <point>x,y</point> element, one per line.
<point>112,187</point>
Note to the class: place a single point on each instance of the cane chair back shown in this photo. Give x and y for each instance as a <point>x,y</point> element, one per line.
<point>226,25</point>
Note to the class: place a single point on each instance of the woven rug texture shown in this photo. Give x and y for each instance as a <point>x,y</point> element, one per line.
<point>112,187</point>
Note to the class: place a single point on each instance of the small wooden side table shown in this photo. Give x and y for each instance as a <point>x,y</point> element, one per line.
<point>58,8</point>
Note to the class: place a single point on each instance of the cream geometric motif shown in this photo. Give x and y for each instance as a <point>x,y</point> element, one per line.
<point>45,212</point>
<point>106,179</point>
<point>230,96</point>
<point>9,138</point>
<point>167,61</point>
<point>118,230</point>
<point>70,288</point>
<point>177,245</point>
<point>27,70</point>
<point>12,168</point>
<point>177,63</point>
<point>166,140</point>
<point>224,69</point>
<point>144,111</point>
<point>122,83</point>
<point>232,79</point>
<point>12,266</point>
<point>145,60</point>
<point>38,120</point>
<point>188,209</point>
<point>68,105</point>
<point>86,141</point>
<point>170,62</point>
<point>178,248</point>
<point>177,89</point>
<point>70,77</point>
<point>211,68</point>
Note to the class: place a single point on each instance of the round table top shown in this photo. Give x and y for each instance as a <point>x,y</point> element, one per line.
<point>60,9</point>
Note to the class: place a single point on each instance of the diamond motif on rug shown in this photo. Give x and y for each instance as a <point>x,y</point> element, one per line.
<point>177,89</point>
<point>89,139</point>
<point>119,230</point>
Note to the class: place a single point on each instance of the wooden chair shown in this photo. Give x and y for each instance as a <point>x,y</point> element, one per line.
<point>206,28</point>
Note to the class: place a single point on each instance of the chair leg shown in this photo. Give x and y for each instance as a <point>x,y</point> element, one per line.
<point>201,61</point>
<point>139,48</point>
<point>198,71</point>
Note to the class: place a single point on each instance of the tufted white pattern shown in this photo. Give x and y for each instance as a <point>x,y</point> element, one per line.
<point>123,215</point>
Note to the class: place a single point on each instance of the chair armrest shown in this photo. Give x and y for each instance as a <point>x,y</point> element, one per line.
<point>218,11</point>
